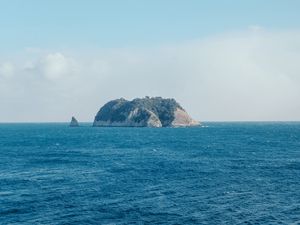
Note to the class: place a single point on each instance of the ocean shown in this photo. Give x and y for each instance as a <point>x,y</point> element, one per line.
<point>221,173</point>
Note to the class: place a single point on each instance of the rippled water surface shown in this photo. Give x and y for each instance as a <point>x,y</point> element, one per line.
<point>223,173</point>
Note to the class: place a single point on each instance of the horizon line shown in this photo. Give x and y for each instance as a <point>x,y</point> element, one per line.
<point>206,121</point>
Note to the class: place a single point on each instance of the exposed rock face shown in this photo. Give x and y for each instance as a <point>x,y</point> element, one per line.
<point>74,122</point>
<point>181,118</point>
<point>143,112</point>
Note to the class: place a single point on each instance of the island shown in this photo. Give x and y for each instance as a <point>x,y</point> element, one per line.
<point>74,122</point>
<point>143,112</point>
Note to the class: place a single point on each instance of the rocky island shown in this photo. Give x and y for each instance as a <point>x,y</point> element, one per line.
<point>74,122</point>
<point>143,112</point>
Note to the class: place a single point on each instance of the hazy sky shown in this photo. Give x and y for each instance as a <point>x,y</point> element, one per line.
<point>222,60</point>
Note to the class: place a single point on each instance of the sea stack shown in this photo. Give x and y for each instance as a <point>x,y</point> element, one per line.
<point>74,122</point>
<point>143,112</point>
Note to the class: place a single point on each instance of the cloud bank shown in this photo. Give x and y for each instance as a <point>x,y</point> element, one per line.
<point>248,75</point>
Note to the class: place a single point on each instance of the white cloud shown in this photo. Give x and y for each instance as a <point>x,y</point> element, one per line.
<point>247,75</point>
<point>256,28</point>
<point>56,65</point>
<point>6,69</point>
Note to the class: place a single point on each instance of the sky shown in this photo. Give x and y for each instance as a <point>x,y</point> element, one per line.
<point>222,60</point>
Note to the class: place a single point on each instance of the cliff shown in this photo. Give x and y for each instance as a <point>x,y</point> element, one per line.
<point>143,112</point>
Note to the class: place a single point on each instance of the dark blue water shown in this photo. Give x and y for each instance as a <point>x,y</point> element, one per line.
<point>226,173</point>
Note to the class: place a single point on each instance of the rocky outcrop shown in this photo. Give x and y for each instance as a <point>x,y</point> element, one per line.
<point>181,118</point>
<point>74,122</point>
<point>143,112</point>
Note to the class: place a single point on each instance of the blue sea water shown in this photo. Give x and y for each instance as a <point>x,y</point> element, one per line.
<point>223,173</point>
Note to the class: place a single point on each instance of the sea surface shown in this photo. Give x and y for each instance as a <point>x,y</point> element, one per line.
<point>221,173</point>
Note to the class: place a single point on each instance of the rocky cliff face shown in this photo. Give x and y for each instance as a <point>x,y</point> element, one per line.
<point>143,112</point>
